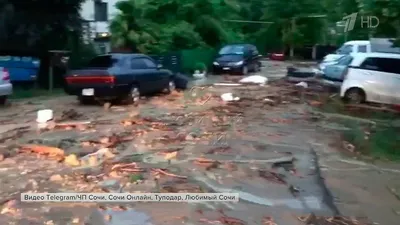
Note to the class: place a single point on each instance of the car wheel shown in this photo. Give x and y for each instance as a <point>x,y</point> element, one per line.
<point>3,100</point>
<point>245,70</point>
<point>134,95</point>
<point>171,87</point>
<point>355,96</point>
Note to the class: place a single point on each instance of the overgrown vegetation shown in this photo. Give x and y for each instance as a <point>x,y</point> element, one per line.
<point>155,26</point>
<point>380,141</point>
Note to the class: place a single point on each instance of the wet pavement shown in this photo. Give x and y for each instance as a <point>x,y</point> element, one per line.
<point>270,152</point>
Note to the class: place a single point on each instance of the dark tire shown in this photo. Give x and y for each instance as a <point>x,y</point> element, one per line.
<point>245,70</point>
<point>171,87</point>
<point>133,95</point>
<point>3,100</point>
<point>355,96</point>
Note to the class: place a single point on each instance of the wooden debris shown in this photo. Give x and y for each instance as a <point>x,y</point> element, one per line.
<point>43,150</point>
<point>171,155</point>
<point>160,171</point>
<point>272,176</point>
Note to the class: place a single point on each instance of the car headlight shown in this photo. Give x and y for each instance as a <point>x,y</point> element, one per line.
<point>215,63</point>
<point>238,63</point>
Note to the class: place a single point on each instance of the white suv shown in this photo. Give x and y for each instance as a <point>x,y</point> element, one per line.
<point>372,77</point>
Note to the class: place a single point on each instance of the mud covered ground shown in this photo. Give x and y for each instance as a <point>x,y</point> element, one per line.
<point>270,147</point>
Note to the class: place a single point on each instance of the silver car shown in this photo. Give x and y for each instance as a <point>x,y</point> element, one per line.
<point>6,87</point>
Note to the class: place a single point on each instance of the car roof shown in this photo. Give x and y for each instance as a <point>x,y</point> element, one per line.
<point>360,57</point>
<point>244,45</point>
<point>122,55</point>
<point>357,42</point>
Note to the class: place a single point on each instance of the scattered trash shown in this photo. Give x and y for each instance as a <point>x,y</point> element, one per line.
<point>227,97</point>
<point>349,147</point>
<point>45,115</point>
<point>227,84</point>
<point>313,219</point>
<point>255,79</point>
<point>302,84</point>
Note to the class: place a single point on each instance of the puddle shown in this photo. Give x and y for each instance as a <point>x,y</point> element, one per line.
<point>309,202</point>
<point>113,217</point>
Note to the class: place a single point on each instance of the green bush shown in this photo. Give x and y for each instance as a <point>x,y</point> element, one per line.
<point>200,67</point>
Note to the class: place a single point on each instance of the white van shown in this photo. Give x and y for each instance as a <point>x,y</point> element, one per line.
<point>348,48</point>
<point>372,77</point>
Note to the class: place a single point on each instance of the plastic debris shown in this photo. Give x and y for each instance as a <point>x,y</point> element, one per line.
<point>302,84</point>
<point>255,79</point>
<point>228,97</point>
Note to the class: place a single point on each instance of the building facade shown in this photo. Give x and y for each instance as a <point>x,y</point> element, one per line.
<point>96,15</point>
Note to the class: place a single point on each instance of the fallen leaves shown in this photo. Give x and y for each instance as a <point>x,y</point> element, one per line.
<point>331,220</point>
<point>72,160</point>
<point>171,155</point>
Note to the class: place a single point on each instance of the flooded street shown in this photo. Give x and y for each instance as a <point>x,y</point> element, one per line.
<point>269,147</point>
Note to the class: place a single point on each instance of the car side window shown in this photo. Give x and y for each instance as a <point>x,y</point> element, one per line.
<point>138,64</point>
<point>388,65</point>
<point>370,64</point>
<point>362,48</point>
<point>254,51</point>
<point>149,63</point>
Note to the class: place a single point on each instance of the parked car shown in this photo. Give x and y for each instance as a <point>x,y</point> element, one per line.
<point>278,56</point>
<point>21,69</point>
<point>6,87</point>
<point>372,77</point>
<point>348,48</point>
<point>119,77</point>
<point>333,74</point>
<point>379,45</point>
<point>237,58</point>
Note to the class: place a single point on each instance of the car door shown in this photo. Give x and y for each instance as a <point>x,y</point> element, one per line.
<point>376,80</point>
<point>335,72</point>
<point>392,79</point>
<point>161,76</point>
<point>145,75</point>
<point>255,57</point>
<point>247,57</point>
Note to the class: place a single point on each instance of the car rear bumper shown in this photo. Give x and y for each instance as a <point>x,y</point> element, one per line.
<point>227,69</point>
<point>104,91</point>
<point>6,89</point>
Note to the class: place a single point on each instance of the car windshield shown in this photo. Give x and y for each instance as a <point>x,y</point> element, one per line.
<point>345,61</point>
<point>345,49</point>
<point>105,61</point>
<point>232,50</point>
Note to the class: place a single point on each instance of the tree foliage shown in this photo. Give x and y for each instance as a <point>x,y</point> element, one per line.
<point>38,24</point>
